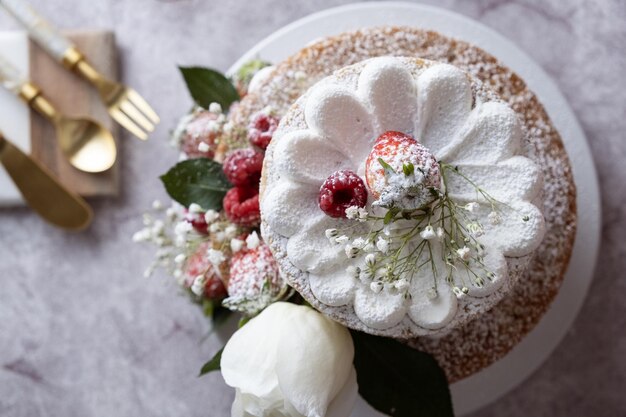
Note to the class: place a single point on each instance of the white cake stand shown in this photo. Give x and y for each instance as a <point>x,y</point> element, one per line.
<point>496,380</point>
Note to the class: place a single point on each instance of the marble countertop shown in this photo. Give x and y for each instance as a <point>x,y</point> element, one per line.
<point>83,333</point>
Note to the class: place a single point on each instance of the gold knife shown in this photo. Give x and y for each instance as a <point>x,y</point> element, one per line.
<point>49,198</point>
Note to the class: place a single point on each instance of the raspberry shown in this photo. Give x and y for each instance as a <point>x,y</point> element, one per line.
<point>198,264</point>
<point>197,221</point>
<point>398,149</point>
<point>203,128</point>
<point>340,191</point>
<point>241,205</point>
<point>243,167</point>
<point>261,129</point>
<point>251,271</point>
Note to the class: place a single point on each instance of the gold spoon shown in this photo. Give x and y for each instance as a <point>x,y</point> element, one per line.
<point>49,198</point>
<point>86,144</point>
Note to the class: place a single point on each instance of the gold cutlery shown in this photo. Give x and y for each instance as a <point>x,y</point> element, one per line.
<point>124,104</point>
<point>49,198</point>
<point>87,144</point>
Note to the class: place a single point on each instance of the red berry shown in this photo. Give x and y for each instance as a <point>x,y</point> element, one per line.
<point>198,264</point>
<point>251,270</point>
<point>243,167</point>
<point>201,129</point>
<point>197,221</point>
<point>340,191</point>
<point>398,149</point>
<point>241,205</point>
<point>261,129</point>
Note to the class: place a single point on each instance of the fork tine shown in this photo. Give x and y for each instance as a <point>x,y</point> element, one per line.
<point>128,124</point>
<point>135,115</point>
<point>142,105</point>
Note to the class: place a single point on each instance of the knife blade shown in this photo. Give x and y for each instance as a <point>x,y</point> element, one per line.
<point>47,196</point>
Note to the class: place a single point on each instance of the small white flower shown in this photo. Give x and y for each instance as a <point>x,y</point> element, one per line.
<point>359,242</point>
<point>215,107</point>
<point>351,251</point>
<point>253,241</point>
<point>464,253</point>
<point>377,286</point>
<point>401,285</point>
<point>362,213</point>
<point>382,244</point>
<point>182,228</point>
<point>331,233</point>
<point>157,205</point>
<point>216,257</point>
<point>494,218</point>
<point>180,258</point>
<point>440,233</point>
<point>471,207</point>
<point>195,208</point>
<point>352,212</point>
<point>370,260</point>
<point>228,127</point>
<point>158,227</point>
<point>203,147</point>
<point>142,235</point>
<point>236,245</point>
<point>215,227</point>
<point>198,285</point>
<point>230,231</point>
<point>210,216</point>
<point>342,239</point>
<point>170,213</point>
<point>475,229</point>
<point>220,236</point>
<point>428,233</point>
<point>431,294</point>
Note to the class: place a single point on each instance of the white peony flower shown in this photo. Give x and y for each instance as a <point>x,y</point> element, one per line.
<point>290,361</point>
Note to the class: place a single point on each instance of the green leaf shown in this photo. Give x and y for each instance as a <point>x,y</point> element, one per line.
<point>249,69</point>
<point>398,380</point>
<point>213,364</point>
<point>408,168</point>
<point>208,86</point>
<point>385,165</point>
<point>391,214</point>
<point>199,181</point>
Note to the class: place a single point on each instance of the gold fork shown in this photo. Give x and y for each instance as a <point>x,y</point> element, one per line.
<point>124,104</point>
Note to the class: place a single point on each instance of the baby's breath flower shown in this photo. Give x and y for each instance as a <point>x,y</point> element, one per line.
<point>195,208</point>
<point>220,236</point>
<point>210,216</point>
<point>494,218</point>
<point>180,258</point>
<point>215,227</point>
<point>440,233</point>
<point>362,213</point>
<point>236,245</point>
<point>370,260</point>
<point>351,251</point>
<point>182,228</point>
<point>253,241</point>
<point>401,285</point>
<point>215,107</point>
<point>198,285</point>
<point>203,147</point>
<point>428,233</point>
<point>382,244</point>
<point>157,205</point>
<point>342,239</point>
<point>359,242</point>
<point>475,229</point>
<point>141,236</point>
<point>331,233</point>
<point>463,253</point>
<point>352,212</point>
<point>216,257</point>
<point>432,294</point>
<point>230,231</point>
<point>377,286</point>
<point>471,207</point>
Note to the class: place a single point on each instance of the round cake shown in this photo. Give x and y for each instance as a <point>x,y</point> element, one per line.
<point>520,276</point>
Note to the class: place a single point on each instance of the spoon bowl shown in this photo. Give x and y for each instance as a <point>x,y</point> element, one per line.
<point>86,144</point>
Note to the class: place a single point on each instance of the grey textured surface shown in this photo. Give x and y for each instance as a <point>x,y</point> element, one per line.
<point>82,333</point>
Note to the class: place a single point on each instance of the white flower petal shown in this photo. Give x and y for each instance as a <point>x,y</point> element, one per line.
<point>238,359</point>
<point>316,363</point>
<point>305,157</point>
<point>517,178</point>
<point>389,89</point>
<point>335,288</point>
<point>338,116</point>
<point>343,403</point>
<point>444,103</point>
<point>379,310</point>
<point>291,207</point>
<point>492,133</point>
<point>519,231</point>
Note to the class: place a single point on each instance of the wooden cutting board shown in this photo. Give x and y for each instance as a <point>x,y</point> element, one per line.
<point>71,95</point>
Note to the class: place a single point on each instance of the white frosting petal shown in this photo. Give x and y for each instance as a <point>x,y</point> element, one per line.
<point>444,103</point>
<point>388,87</point>
<point>517,178</point>
<point>491,133</point>
<point>305,157</point>
<point>290,207</point>
<point>519,231</point>
<point>335,288</point>
<point>337,115</point>
<point>379,310</point>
